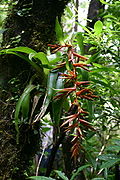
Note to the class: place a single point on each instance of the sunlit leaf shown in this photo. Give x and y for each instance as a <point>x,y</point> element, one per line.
<point>80,39</point>
<point>69,11</point>
<point>106,69</point>
<point>109,16</point>
<point>42,57</point>
<point>54,60</point>
<point>44,60</point>
<point>84,28</point>
<point>98,27</point>
<point>22,49</point>
<point>59,32</point>
<point>104,2</point>
<point>92,48</point>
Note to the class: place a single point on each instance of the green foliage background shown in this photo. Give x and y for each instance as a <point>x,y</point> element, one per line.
<point>101,147</point>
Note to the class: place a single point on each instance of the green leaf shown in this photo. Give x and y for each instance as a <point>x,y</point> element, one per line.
<point>98,75</point>
<point>107,85</point>
<point>104,2</point>
<point>98,179</point>
<point>44,60</point>
<point>69,11</point>
<point>90,109</point>
<point>67,64</point>
<point>51,84</point>
<point>79,169</point>
<point>106,69</point>
<point>108,157</point>
<point>113,148</point>
<point>116,141</point>
<point>84,28</point>
<point>57,105</point>
<point>61,175</point>
<point>25,106</point>
<point>85,75</point>
<point>41,178</point>
<point>94,57</point>
<point>109,163</point>
<point>19,104</point>
<point>21,49</point>
<point>80,39</point>
<point>98,27</point>
<point>110,16</point>
<point>32,54</point>
<point>33,64</point>
<point>53,59</point>
<point>90,156</point>
<point>59,32</point>
<point>98,65</point>
<point>42,57</point>
<point>92,48</point>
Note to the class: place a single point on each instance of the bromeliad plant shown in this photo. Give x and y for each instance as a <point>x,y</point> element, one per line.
<point>62,75</point>
<point>75,91</point>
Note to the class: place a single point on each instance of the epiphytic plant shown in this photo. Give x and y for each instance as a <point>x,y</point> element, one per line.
<point>75,120</point>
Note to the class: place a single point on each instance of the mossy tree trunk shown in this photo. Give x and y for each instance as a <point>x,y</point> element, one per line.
<point>30,23</point>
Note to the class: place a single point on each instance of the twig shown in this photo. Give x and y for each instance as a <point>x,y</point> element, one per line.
<point>38,166</point>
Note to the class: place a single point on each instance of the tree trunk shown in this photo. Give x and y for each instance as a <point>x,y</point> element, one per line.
<point>94,11</point>
<point>30,23</point>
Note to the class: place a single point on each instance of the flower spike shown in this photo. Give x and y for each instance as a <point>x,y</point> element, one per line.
<point>75,121</point>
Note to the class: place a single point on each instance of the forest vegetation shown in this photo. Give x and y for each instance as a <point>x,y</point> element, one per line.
<point>59,89</point>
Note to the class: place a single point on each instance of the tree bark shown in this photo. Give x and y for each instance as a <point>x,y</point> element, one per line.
<point>30,23</point>
<point>94,11</point>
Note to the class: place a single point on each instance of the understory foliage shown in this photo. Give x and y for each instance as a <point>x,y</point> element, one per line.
<point>80,94</point>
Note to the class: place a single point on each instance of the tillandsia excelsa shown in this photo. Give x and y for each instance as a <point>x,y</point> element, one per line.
<point>76,119</point>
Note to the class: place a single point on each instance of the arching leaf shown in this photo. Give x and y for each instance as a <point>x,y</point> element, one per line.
<point>59,32</point>
<point>80,39</point>
<point>79,169</point>
<point>19,105</point>
<point>61,175</point>
<point>98,27</point>
<point>41,178</point>
<point>110,163</point>
<point>22,49</point>
<point>52,77</point>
